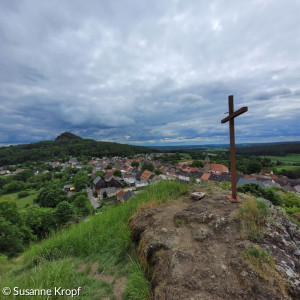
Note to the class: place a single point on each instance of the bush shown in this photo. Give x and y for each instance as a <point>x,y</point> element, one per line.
<point>23,194</point>
<point>14,186</point>
<point>258,191</point>
<point>256,253</point>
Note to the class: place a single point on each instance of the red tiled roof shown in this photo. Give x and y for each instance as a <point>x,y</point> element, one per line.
<point>205,176</point>
<point>146,174</point>
<point>120,194</point>
<point>218,168</point>
<point>107,175</point>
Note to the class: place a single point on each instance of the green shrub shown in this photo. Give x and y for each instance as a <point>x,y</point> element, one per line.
<point>257,253</point>
<point>23,194</point>
<point>257,191</point>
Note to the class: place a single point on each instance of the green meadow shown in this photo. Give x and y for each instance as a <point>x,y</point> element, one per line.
<point>285,159</point>
<point>21,202</point>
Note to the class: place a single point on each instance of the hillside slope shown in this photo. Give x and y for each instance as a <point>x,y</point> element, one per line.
<point>206,250</point>
<point>64,146</point>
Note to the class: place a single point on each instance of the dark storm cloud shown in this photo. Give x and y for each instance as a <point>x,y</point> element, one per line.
<point>132,72</point>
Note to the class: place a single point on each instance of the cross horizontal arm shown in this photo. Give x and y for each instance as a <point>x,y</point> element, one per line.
<point>235,114</point>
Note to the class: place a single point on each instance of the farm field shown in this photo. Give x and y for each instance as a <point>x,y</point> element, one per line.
<point>287,167</point>
<point>285,159</point>
<point>21,202</point>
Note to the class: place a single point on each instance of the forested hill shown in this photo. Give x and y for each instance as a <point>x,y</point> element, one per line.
<point>276,149</point>
<point>64,146</point>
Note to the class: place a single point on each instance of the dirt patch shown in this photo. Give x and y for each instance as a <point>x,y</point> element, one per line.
<point>107,278</point>
<point>193,250</point>
<point>119,287</point>
<point>82,268</point>
<point>94,268</point>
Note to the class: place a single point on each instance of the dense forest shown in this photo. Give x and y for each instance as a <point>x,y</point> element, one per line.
<point>64,146</point>
<point>275,149</point>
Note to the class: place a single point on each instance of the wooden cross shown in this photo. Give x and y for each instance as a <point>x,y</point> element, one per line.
<point>230,118</point>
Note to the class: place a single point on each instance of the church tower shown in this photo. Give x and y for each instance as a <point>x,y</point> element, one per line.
<point>206,166</point>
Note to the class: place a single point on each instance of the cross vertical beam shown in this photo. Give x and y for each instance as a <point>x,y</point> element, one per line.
<point>233,114</point>
<point>232,150</point>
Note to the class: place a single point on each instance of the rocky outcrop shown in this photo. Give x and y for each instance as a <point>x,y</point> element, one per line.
<point>194,250</point>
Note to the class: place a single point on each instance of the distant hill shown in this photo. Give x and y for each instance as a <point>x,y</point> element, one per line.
<point>67,137</point>
<point>64,146</point>
<point>276,149</point>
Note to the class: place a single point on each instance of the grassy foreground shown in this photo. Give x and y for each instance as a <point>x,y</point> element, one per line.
<point>66,258</point>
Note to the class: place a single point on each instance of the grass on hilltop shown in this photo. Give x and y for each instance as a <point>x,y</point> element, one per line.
<point>104,238</point>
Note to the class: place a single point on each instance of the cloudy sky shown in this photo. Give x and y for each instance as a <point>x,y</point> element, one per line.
<point>149,72</point>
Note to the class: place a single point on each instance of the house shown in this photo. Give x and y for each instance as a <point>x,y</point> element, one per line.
<point>218,168</point>
<point>145,175</point>
<point>108,176</point>
<point>99,183</point>
<point>55,164</point>
<point>297,188</point>
<point>129,178</point>
<point>205,176</point>
<point>183,176</point>
<point>242,181</point>
<point>128,168</point>
<point>107,193</point>
<point>271,183</point>
<point>113,182</point>
<point>266,172</point>
<point>4,172</point>
<point>141,183</point>
<point>123,195</point>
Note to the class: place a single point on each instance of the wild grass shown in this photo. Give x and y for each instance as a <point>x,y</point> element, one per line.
<point>252,216</point>
<point>21,202</point>
<point>105,238</point>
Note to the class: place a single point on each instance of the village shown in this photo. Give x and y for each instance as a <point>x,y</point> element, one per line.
<point>122,178</point>
<point>118,179</point>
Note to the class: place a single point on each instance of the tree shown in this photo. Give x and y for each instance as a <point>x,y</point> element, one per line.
<point>79,184</point>
<point>11,238</point>
<point>9,211</point>
<point>64,212</point>
<point>100,174</point>
<point>135,164</point>
<point>253,167</point>
<point>117,173</point>
<point>82,206</point>
<point>51,197</point>
<point>24,176</point>
<point>197,164</point>
<point>148,166</point>
<point>158,171</point>
<point>14,186</point>
<point>80,180</point>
